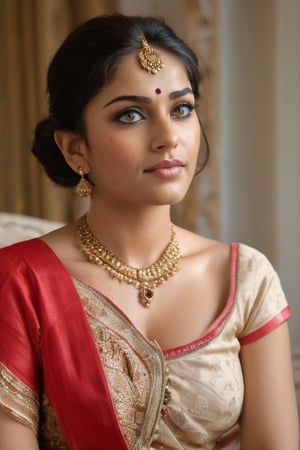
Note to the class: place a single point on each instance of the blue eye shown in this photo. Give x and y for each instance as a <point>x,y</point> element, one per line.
<point>182,111</point>
<point>130,116</point>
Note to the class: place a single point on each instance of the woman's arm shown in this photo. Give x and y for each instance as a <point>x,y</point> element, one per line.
<point>269,419</point>
<point>14,435</point>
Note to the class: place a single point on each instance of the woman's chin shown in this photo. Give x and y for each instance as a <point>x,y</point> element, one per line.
<point>169,198</point>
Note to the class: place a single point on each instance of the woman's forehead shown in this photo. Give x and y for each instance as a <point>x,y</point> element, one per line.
<point>130,76</point>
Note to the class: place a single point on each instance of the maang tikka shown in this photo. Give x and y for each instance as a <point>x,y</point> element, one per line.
<point>83,188</point>
<point>149,58</point>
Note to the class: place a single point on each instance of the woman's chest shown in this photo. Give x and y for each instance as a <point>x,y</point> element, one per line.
<point>193,393</point>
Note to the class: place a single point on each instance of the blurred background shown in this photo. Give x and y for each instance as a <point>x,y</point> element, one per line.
<point>249,52</point>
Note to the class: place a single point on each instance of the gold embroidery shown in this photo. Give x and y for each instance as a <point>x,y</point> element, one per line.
<point>18,399</point>
<point>128,380</point>
<point>134,368</point>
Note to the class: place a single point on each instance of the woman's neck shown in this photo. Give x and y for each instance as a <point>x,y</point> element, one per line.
<point>136,235</point>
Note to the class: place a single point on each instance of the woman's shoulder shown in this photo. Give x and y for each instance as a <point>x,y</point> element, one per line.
<point>207,264</point>
<point>196,246</point>
<point>26,260</point>
<point>62,242</point>
<point>45,252</point>
<point>252,261</point>
<point>20,251</point>
<point>244,255</point>
<point>261,304</point>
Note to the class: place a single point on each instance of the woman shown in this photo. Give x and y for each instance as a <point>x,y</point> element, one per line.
<point>97,352</point>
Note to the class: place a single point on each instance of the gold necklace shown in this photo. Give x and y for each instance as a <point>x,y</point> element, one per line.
<point>145,279</point>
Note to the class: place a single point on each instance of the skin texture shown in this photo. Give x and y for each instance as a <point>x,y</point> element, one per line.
<point>130,214</point>
<point>269,419</point>
<point>151,132</point>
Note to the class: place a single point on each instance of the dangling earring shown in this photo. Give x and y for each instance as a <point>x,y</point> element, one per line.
<point>84,188</point>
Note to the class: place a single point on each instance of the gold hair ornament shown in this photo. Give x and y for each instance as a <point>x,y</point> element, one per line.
<point>145,279</point>
<point>149,58</point>
<point>84,188</point>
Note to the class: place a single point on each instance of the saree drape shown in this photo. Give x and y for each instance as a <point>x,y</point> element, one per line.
<point>73,376</point>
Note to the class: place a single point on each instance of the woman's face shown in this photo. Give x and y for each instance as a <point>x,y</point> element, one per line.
<point>143,135</point>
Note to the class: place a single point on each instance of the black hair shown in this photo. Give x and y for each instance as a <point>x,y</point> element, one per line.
<point>84,63</point>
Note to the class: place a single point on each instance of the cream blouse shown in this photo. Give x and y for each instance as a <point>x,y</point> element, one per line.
<point>183,398</point>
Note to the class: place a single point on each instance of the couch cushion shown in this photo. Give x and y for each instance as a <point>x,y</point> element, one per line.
<point>18,227</point>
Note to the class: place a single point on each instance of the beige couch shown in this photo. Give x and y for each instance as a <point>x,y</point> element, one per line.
<point>18,227</point>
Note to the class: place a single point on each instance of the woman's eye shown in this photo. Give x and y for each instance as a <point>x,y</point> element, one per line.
<point>130,116</point>
<point>182,111</point>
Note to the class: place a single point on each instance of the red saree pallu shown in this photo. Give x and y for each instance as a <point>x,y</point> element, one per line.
<point>38,291</point>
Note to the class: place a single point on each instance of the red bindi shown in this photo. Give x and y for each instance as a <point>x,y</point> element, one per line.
<point>157,91</point>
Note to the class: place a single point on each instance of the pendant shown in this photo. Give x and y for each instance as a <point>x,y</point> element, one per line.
<point>146,296</point>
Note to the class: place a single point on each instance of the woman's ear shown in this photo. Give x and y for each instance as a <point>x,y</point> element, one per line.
<point>73,148</point>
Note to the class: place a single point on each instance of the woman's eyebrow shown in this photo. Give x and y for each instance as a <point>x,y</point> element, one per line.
<point>142,99</point>
<point>129,98</point>
<point>181,93</point>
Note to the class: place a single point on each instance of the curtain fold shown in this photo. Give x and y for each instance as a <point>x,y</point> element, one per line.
<point>30,32</point>
<point>199,210</point>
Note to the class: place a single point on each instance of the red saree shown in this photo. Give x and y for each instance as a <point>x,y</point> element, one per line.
<point>50,343</point>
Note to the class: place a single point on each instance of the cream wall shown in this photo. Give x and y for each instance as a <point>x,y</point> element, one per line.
<point>288,157</point>
<point>259,145</point>
<point>247,149</point>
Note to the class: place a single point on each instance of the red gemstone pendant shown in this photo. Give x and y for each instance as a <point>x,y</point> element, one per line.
<point>146,296</point>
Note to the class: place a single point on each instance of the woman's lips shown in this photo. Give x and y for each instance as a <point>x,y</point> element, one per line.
<point>166,168</point>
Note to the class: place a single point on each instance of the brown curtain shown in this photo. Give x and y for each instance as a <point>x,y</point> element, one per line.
<point>199,211</point>
<point>30,32</point>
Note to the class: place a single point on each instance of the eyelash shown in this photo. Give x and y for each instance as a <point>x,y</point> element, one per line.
<point>129,111</point>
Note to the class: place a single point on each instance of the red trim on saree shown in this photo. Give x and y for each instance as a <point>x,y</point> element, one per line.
<point>73,374</point>
<point>281,317</point>
<point>216,326</point>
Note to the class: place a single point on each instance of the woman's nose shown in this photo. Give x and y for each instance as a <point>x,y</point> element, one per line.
<point>165,136</point>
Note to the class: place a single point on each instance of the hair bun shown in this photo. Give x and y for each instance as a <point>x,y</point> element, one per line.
<point>49,155</point>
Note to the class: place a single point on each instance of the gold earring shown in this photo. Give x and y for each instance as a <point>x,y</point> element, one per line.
<point>83,188</point>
